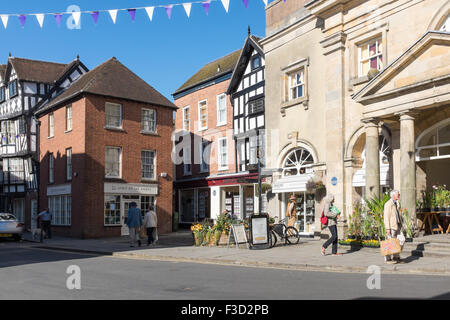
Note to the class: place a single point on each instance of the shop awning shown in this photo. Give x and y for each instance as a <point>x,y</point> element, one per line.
<point>292,183</point>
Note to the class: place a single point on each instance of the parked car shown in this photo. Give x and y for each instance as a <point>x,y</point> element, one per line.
<point>10,227</point>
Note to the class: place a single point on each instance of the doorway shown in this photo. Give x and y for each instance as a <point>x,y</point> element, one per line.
<point>126,203</point>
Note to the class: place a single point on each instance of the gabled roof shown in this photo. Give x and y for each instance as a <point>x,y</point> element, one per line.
<point>111,79</point>
<point>2,70</point>
<point>37,71</point>
<point>251,43</point>
<point>211,71</point>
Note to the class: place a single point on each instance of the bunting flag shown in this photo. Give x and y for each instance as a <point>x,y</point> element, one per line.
<point>22,19</point>
<point>113,14</point>
<point>40,19</point>
<point>206,5</point>
<point>76,17</point>
<point>226,4</point>
<point>4,20</point>
<point>187,8</point>
<point>94,15</point>
<point>169,10</point>
<point>132,13</point>
<point>58,18</point>
<point>150,12</point>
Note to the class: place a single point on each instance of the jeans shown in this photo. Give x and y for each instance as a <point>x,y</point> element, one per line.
<point>134,235</point>
<point>333,239</point>
<point>46,227</point>
<point>150,235</point>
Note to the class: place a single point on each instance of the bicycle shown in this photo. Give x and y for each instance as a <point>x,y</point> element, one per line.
<point>289,234</point>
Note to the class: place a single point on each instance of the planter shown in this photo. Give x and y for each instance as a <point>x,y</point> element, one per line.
<point>198,237</point>
<point>217,235</point>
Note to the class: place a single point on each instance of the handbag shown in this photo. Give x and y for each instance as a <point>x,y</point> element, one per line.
<point>324,218</point>
<point>390,246</point>
<point>142,233</point>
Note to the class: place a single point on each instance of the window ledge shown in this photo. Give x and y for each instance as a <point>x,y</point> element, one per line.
<point>114,129</point>
<point>68,131</point>
<point>222,169</point>
<point>150,133</point>
<point>221,124</point>
<point>295,102</point>
<point>149,180</point>
<point>50,137</point>
<point>358,81</point>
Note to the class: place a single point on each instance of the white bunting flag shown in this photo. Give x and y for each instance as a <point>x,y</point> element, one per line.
<point>150,12</point>
<point>113,14</point>
<point>40,19</point>
<point>4,20</point>
<point>187,8</point>
<point>226,4</point>
<point>76,17</point>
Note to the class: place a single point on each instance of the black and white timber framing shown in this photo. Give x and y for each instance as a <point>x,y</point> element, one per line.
<point>21,93</point>
<point>247,91</point>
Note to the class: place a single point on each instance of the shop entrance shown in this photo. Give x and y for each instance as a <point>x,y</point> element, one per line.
<point>126,203</point>
<point>305,211</point>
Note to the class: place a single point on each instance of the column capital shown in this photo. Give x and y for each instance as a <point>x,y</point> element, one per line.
<point>406,115</point>
<point>371,122</point>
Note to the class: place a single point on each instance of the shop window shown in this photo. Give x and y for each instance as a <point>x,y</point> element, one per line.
<point>112,210</point>
<point>147,204</point>
<point>61,209</point>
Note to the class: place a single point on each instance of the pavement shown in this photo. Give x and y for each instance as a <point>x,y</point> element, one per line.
<point>305,256</point>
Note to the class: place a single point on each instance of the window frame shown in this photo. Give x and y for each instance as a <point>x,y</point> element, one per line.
<point>69,119</point>
<point>51,168</point>
<point>153,178</point>
<point>154,120</point>
<point>108,126</point>
<point>51,125</point>
<point>16,88</point>
<point>218,97</point>
<point>69,168</point>
<point>120,162</point>
<point>2,94</point>
<point>291,88</point>
<point>200,104</point>
<point>302,64</point>
<point>378,40</point>
<point>220,149</point>
<point>184,118</point>
<point>204,166</point>
<point>187,165</point>
<point>62,216</point>
<point>256,57</point>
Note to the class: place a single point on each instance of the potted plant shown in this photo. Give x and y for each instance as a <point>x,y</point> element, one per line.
<point>427,197</point>
<point>408,225</point>
<point>198,234</point>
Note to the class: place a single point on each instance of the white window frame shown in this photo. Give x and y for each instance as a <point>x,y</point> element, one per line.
<point>150,121</point>
<point>220,152</point>
<point>51,168</point>
<point>187,167</point>
<point>51,125</point>
<point>111,104</point>
<point>204,167</point>
<point>69,118</point>
<point>152,164</point>
<point>61,216</point>
<point>224,120</point>
<point>291,87</point>
<point>188,120</point>
<point>120,162</point>
<point>378,40</point>
<point>200,105</point>
<point>446,25</point>
<point>69,164</point>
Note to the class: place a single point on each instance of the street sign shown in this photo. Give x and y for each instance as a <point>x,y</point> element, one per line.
<point>334,181</point>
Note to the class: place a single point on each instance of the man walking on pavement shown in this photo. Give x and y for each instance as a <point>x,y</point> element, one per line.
<point>134,223</point>
<point>392,221</point>
<point>46,220</point>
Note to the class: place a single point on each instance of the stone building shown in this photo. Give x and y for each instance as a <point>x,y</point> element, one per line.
<point>358,100</point>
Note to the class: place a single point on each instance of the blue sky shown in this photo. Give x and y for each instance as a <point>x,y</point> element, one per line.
<point>163,52</point>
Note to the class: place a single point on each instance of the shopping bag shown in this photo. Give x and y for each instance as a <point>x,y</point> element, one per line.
<point>155,235</point>
<point>401,238</point>
<point>390,246</point>
<point>143,233</point>
<point>334,209</point>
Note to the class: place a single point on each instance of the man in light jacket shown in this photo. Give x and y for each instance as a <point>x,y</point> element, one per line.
<point>392,221</point>
<point>150,223</point>
<point>134,222</point>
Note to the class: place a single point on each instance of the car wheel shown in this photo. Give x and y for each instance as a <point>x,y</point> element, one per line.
<point>17,237</point>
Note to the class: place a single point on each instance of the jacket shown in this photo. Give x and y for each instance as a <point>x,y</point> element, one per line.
<point>150,220</point>
<point>330,214</point>
<point>134,219</point>
<point>391,219</point>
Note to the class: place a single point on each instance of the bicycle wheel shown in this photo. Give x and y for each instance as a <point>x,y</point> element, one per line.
<point>272,239</point>
<point>291,235</point>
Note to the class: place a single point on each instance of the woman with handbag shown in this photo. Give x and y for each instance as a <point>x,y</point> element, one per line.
<point>291,211</point>
<point>333,214</point>
<point>393,223</point>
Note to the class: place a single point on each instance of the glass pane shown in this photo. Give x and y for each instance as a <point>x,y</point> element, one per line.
<point>364,68</point>
<point>426,153</point>
<point>364,52</point>
<point>372,49</point>
<point>428,140</point>
<point>444,151</point>
<point>373,63</point>
<point>444,134</point>
<point>380,63</point>
<point>380,47</point>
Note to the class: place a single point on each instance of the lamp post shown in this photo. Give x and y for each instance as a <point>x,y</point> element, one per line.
<point>259,156</point>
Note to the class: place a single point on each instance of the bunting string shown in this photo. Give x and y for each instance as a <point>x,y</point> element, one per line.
<point>113,12</point>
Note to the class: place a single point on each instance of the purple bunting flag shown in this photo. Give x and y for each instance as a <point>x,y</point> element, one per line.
<point>206,5</point>
<point>95,16</point>
<point>22,19</point>
<point>132,13</point>
<point>58,18</point>
<point>246,4</point>
<point>169,10</point>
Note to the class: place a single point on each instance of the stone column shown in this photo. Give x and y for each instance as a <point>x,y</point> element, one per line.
<point>372,159</point>
<point>407,165</point>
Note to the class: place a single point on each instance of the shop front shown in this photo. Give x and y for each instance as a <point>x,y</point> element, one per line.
<point>118,199</point>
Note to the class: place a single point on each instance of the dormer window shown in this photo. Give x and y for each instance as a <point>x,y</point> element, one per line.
<point>13,88</point>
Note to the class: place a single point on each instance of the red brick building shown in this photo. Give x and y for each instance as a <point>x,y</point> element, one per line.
<point>207,177</point>
<point>104,142</point>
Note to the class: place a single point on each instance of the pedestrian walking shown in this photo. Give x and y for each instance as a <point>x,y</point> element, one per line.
<point>46,220</point>
<point>392,222</point>
<point>333,215</point>
<point>291,211</point>
<point>150,223</point>
<point>134,223</point>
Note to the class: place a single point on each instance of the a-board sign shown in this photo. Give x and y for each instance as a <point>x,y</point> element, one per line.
<point>239,234</point>
<point>259,231</point>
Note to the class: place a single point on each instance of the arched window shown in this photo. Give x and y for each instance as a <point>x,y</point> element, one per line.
<point>434,143</point>
<point>297,162</point>
<point>446,25</point>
